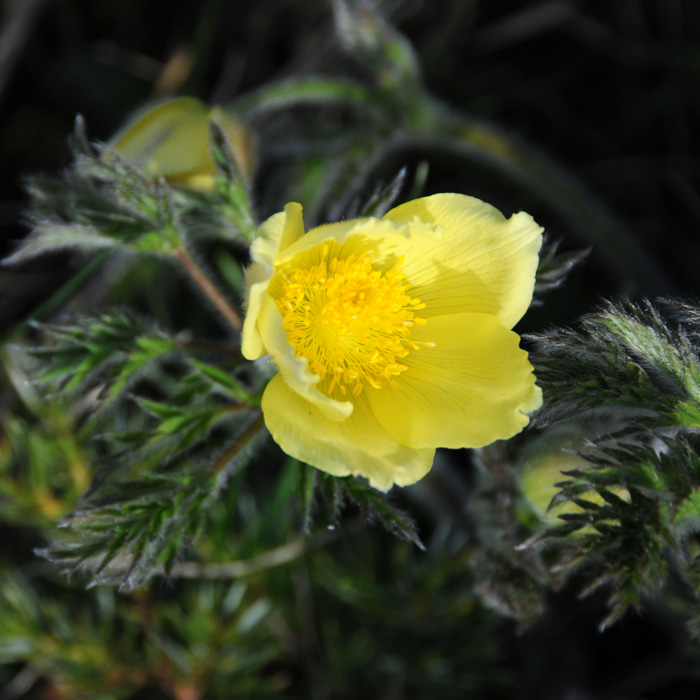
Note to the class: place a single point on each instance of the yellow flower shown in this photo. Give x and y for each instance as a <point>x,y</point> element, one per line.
<point>172,140</point>
<point>391,335</point>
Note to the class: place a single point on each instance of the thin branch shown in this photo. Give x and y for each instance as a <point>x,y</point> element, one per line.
<point>243,567</point>
<point>207,286</point>
<point>21,683</point>
<point>240,444</point>
<point>233,569</point>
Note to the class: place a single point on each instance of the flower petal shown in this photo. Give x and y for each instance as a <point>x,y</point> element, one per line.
<point>170,139</point>
<point>277,233</point>
<point>294,369</point>
<point>357,445</point>
<point>257,281</point>
<point>352,236</point>
<point>274,234</point>
<point>479,261</point>
<point>475,386</point>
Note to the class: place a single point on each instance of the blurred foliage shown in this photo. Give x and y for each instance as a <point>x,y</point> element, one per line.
<point>131,453</point>
<point>642,530</point>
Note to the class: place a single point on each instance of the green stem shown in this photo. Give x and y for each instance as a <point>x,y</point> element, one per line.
<point>207,286</point>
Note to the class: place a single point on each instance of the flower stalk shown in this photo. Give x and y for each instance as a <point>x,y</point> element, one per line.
<point>202,280</point>
<point>238,446</point>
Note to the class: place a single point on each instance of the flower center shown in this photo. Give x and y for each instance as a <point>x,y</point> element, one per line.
<point>351,322</point>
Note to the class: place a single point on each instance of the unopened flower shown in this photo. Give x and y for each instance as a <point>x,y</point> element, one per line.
<point>172,140</point>
<point>392,336</point>
<point>546,468</point>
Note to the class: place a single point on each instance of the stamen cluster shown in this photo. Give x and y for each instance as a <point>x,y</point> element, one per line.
<point>350,321</point>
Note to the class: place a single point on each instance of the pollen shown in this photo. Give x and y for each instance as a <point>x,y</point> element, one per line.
<point>350,321</point>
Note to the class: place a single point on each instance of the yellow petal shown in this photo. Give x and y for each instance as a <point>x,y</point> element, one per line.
<point>195,181</point>
<point>478,261</point>
<point>239,137</point>
<point>358,445</point>
<point>294,369</point>
<point>293,226</point>
<point>172,140</point>
<point>352,236</point>
<point>257,281</point>
<point>475,386</point>
<point>275,233</point>
<point>169,140</point>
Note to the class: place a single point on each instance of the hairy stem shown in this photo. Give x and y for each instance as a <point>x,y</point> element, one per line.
<point>241,442</point>
<point>207,286</point>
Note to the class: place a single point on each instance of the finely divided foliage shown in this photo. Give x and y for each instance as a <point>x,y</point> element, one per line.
<point>630,377</point>
<point>184,416</point>
<point>156,473</point>
<point>133,449</point>
<point>164,421</point>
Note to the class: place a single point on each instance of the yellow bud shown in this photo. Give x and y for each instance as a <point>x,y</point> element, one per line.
<point>540,474</point>
<point>172,140</point>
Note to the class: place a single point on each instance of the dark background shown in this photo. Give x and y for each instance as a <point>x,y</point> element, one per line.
<point>608,89</point>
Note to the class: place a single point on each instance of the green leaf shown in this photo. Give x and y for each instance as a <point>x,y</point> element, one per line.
<point>554,267</point>
<point>379,509</point>
<point>383,198</point>
<point>630,363</point>
<point>224,381</point>
<point>231,186</point>
<point>138,528</point>
<point>101,201</point>
<point>303,91</point>
<point>128,529</point>
<point>55,238</point>
<point>374,42</point>
<point>111,350</point>
<point>317,488</point>
<point>687,518</point>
